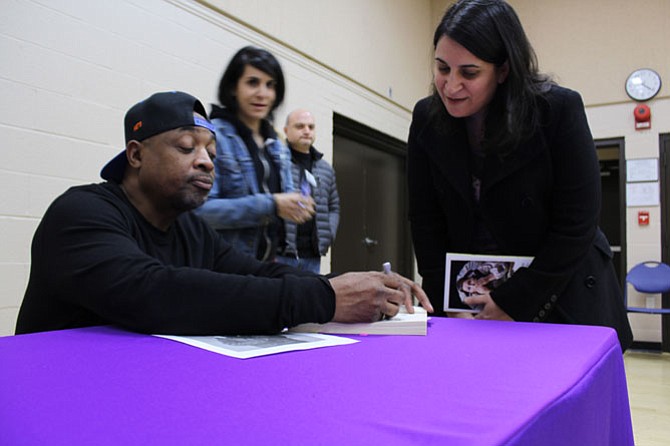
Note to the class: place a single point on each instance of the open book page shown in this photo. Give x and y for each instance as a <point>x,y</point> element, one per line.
<point>403,323</point>
<point>470,274</point>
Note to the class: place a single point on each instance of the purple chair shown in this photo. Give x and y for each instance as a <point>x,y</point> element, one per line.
<point>648,277</point>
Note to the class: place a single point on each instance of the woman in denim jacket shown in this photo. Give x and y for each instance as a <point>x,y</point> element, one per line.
<point>253,192</point>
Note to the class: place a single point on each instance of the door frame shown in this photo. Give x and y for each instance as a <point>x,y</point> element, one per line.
<point>664,178</point>
<point>620,144</point>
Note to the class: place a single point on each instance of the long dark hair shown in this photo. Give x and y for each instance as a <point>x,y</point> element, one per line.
<point>260,59</point>
<point>491,30</point>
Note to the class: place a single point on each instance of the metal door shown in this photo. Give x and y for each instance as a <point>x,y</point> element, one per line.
<point>373,212</point>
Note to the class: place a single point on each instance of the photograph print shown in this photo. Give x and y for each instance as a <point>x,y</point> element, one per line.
<point>469,274</point>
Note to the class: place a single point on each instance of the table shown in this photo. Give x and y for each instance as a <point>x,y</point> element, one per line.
<point>465,383</point>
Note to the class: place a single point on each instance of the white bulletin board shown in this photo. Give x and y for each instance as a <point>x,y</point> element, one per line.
<point>644,169</point>
<point>643,194</point>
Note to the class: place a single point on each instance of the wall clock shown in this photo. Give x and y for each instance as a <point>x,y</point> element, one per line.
<point>643,84</point>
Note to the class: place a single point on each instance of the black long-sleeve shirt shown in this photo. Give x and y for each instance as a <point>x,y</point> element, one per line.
<point>96,261</point>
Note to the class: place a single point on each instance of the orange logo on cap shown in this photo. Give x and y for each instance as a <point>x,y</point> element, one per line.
<point>137,126</point>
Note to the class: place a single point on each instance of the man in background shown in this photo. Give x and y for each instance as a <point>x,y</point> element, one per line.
<point>306,243</point>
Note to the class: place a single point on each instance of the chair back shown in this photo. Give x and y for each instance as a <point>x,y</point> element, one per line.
<point>650,277</point>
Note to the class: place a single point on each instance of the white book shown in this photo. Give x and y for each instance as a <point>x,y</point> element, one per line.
<point>402,323</point>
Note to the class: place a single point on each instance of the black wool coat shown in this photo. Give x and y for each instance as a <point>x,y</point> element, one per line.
<point>542,200</point>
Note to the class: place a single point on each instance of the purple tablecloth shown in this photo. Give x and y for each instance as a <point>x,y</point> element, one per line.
<point>465,383</point>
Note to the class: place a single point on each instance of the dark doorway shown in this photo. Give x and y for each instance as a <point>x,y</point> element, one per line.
<point>613,207</point>
<point>371,181</point>
<point>664,162</point>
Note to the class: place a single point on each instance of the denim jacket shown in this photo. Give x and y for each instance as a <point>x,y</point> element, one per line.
<point>235,206</point>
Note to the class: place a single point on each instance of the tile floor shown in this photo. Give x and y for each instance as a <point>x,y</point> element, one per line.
<point>648,377</point>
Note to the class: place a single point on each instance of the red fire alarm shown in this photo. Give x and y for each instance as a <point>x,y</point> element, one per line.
<point>643,218</point>
<point>642,115</point>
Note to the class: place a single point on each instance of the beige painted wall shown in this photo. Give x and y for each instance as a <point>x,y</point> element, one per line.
<point>72,67</point>
<point>382,44</point>
<point>592,46</point>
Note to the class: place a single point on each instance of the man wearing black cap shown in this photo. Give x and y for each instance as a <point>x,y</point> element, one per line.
<point>129,252</point>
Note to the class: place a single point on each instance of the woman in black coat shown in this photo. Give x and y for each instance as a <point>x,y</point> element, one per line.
<point>502,162</point>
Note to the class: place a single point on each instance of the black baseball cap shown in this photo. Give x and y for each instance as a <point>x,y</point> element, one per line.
<point>158,113</point>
